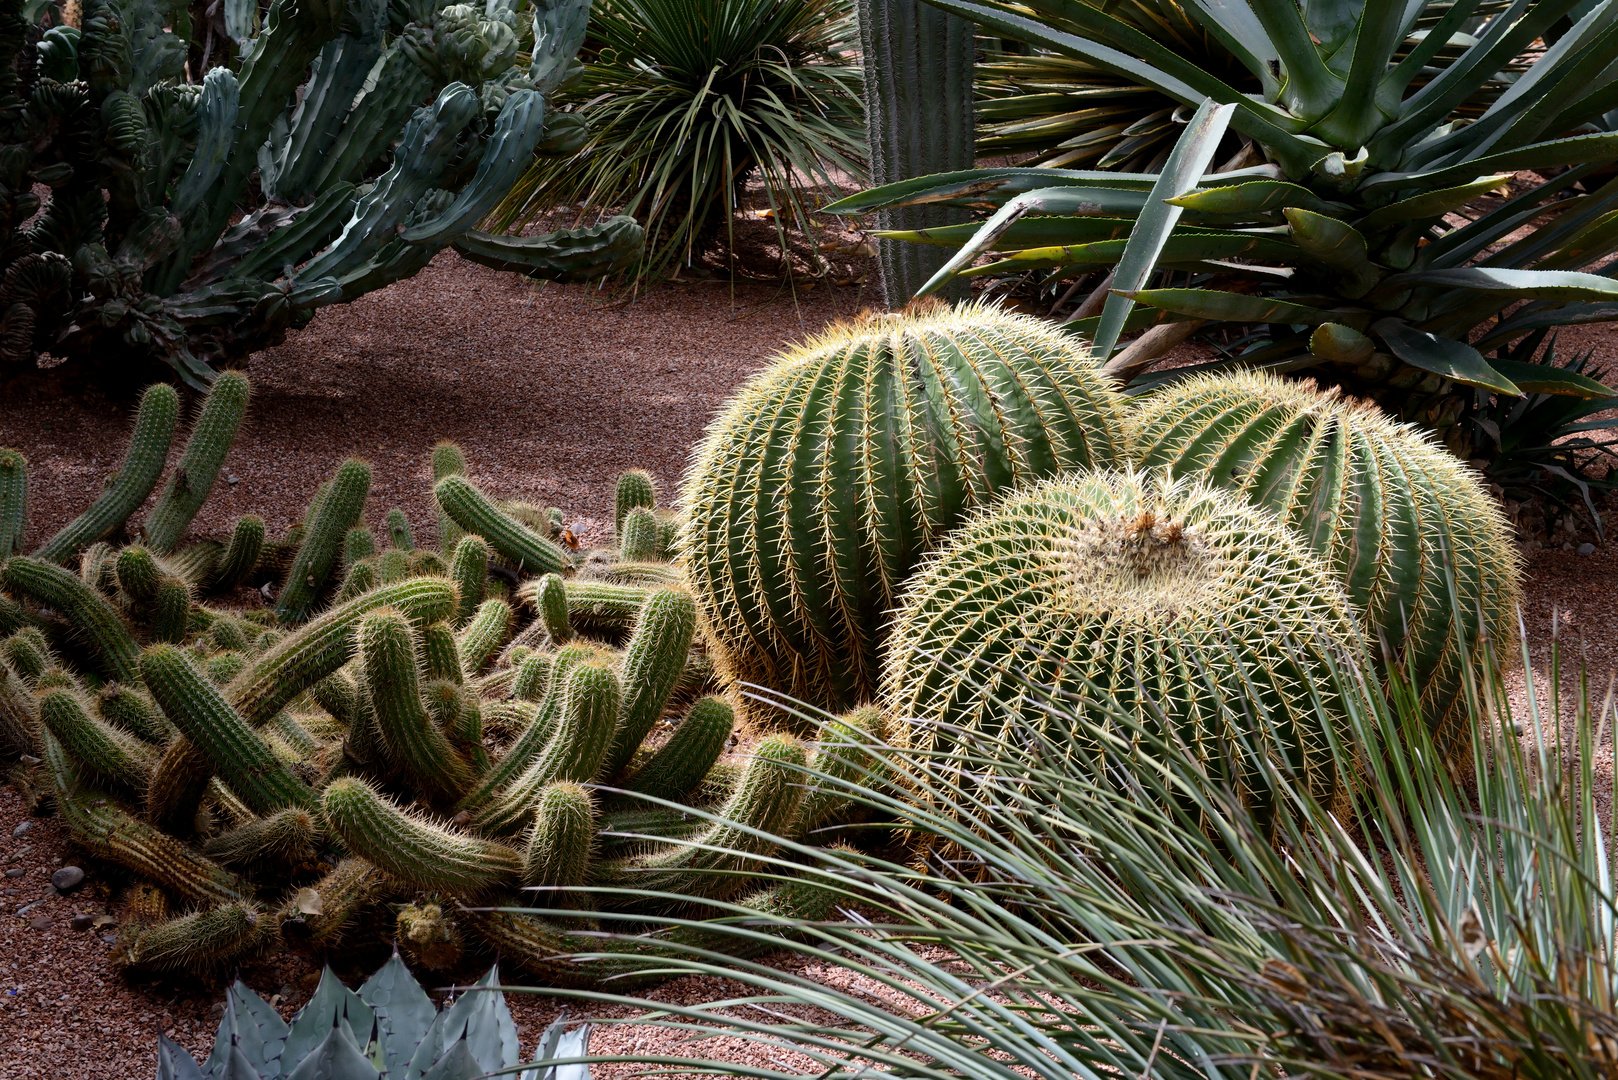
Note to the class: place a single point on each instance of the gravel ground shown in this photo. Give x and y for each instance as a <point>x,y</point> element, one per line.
<point>551,392</point>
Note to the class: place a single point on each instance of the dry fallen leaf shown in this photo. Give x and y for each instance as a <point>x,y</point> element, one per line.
<point>308,902</point>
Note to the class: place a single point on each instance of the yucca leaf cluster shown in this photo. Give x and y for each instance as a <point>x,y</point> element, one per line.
<point>1370,229</point>
<point>402,729</point>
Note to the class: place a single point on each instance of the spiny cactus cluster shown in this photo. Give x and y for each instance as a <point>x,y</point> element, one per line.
<point>360,138</point>
<point>403,727</point>
<point>823,482</point>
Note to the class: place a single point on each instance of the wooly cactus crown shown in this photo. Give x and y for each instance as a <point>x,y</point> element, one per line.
<point>1160,594</point>
<point>1423,551</point>
<point>816,491</point>
<point>403,727</point>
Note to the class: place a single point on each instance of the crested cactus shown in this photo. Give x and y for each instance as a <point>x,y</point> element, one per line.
<point>1159,592</point>
<point>247,762</point>
<point>1422,549</point>
<point>142,467</point>
<point>813,496</point>
<point>211,437</point>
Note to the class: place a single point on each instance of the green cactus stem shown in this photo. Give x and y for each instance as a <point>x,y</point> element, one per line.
<point>651,667</point>
<point>668,533</point>
<point>469,569</point>
<point>843,756</point>
<point>352,886</point>
<point>635,489</point>
<point>335,514</point>
<point>533,677</point>
<point>557,855</point>
<point>211,439</point>
<point>473,512</point>
<point>137,573</point>
<point>447,461</point>
<point>13,502</point>
<point>106,753</point>
<point>196,561</point>
<point>214,939</point>
<point>550,600</point>
<point>360,579</point>
<point>400,537</point>
<point>90,614</point>
<point>713,867</point>
<point>645,574</point>
<point>484,636</point>
<point>285,838</point>
<point>232,633</point>
<point>19,714</point>
<point>679,764</point>
<point>134,480</point>
<point>640,539</point>
<point>412,848</point>
<point>590,706</point>
<point>240,557</point>
<point>394,566</point>
<point>359,544</point>
<point>130,709</point>
<point>323,645</point>
<point>241,758</point>
<point>178,784</point>
<point>170,618</point>
<point>28,653</point>
<point>441,656</point>
<point>391,665</point>
<point>222,667</point>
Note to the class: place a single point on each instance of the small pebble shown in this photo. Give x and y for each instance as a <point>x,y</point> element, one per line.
<point>41,922</point>
<point>81,921</point>
<point>22,828</point>
<point>233,479</point>
<point>67,879</point>
<point>1587,548</point>
<point>20,852</point>
<point>26,908</point>
<point>16,871</point>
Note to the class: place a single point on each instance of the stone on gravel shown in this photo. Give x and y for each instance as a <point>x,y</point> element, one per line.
<point>1587,548</point>
<point>22,828</point>
<point>67,879</point>
<point>17,871</point>
<point>41,922</point>
<point>81,921</point>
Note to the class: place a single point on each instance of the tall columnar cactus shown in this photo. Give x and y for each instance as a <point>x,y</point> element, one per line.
<point>211,438</point>
<point>634,489</point>
<point>813,496</point>
<point>1422,549</point>
<point>447,460</point>
<point>918,121</point>
<point>1162,593</point>
<point>418,747</point>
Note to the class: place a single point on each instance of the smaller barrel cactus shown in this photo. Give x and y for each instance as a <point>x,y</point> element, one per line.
<point>1161,594</point>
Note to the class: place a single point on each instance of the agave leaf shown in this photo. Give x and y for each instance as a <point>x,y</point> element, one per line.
<point>480,1017</point>
<point>1443,356</point>
<point>1234,24</point>
<point>1336,244</point>
<point>1577,150</point>
<point>175,1063</point>
<point>1545,379</point>
<point>251,1025</point>
<point>428,1051</point>
<point>1430,203</point>
<point>1311,88</point>
<point>1356,116</point>
<point>559,1043</point>
<point>332,1004</point>
<point>1139,319</point>
<point>337,1057</point>
<point>1190,248</point>
<point>1027,233</point>
<point>1541,284</point>
<point>404,1012</point>
<point>1340,344</point>
<point>1391,93</point>
<point>1252,197</point>
<point>458,1064</point>
<point>1229,306</point>
<point>1538,317</point>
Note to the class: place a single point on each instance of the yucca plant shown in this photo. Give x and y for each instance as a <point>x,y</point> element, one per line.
<point>1131,918</point>
<point>687,101</point>
<point>1370,247</point>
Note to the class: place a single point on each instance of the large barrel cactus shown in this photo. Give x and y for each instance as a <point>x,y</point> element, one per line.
<point>1421,548</point>
<point>815,492</point>
<point>1162,594</point>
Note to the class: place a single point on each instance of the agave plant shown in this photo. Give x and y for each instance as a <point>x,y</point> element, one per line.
<point>1132,918</point>
<point>389,1028</point>
<point>1373,247</point>
<point>687,101</point>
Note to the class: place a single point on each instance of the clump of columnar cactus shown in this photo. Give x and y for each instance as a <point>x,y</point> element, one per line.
<point>816,492</point>
<point>1135,590</point>
<point>1423,551</point>
<point>401,736</point>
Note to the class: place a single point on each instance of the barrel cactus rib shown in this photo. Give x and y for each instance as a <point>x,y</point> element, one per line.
<point>1398,518</point>
<point>811,499</point>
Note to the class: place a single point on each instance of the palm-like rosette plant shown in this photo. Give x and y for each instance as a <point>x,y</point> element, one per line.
<point>1368,245</point>
<point>689,100</point>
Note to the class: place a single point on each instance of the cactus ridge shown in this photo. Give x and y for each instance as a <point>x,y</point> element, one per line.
<point>1396,515</point>
<point>469,569</point>
<point>651,667</point>
<point>241,555</point>
<point>286,837</point>
<point>679,764</point>
<point>441,656</point>
<point>133,711</point>
<point>635,489</point>
<point>843,753</point>
<point>137,573</point>
<point>333,514</point>
<point>538,732</point>
<point>359,544</point>
<point>99,749</point>
<point>640,539</point>
<point>88,611</point>
<point>484,636</point>
<point>412,848</point>
<point>399,535</point>
<point>473,512</point>
<point>881,437</point>
<point>559,845</point>
<point>13,502</point>
<point>236,751</point>
<point>193,480</point>
<point>143,462</point>
<point>178,785</point>
<point>170,618</point>
<point>1157,590</point>
<point>447,460</point>
<point>550,600</point>
<point>28,653</point>
<point>392,674</point>
<point>533,677</point>
<point>350,887</point>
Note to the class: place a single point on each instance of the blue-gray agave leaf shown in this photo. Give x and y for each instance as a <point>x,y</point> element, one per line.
<point>175,1063</point>
<point>404,1013</point>
<point>337,1057</point>
<point>458,1064</point>
<point>481,1019</point>
<point>557,1042</point>
<point>333,1004</point>
<point>255,1029</point>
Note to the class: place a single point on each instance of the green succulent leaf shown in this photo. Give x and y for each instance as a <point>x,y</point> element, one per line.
<point>1026,233</point>
<point>1179,249</point>
<point>174,1063</point>
<point>337,1057</point>
<point>1340,344</point>
<point>404,1012</point>
<point>1442,356</point>
<point>1540,284</point>
<point>333,1005</point>
<point>1430,204</point>
<point>992,188</point>
<point>250,1025</point>
<point>1545,379</point>
<point>1578,150</point>
<point>1229,306</point>
<point>1253,197</point>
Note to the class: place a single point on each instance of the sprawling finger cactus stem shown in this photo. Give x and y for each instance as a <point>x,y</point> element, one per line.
<point>634,489</point>
<point>1161,592</point>
<point>412,848</point>
<point>212,939</point>
<point>1422,549</point>
<point>814,494</point>
<point>193,480</point>
<point>192,216</point>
